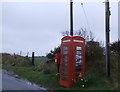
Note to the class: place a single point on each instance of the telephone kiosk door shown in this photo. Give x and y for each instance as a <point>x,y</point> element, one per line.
<point>64,65</point>
<point>79,49</point>
<point>78,60</point>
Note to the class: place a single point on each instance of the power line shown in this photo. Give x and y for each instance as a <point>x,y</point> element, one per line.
<point>85,16</point>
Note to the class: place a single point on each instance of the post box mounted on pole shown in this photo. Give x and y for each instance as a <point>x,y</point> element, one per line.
<point>71,57</point>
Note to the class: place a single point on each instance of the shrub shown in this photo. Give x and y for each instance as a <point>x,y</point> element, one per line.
<point>94,51</point>
<point>15,60</point>
<point>40,67</point>
<point>46,71</point>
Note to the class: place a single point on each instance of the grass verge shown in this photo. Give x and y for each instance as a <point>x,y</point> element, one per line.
<point>44,74</point>
<point>50,81</point>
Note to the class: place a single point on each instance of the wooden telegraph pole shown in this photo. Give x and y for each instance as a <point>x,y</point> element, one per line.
<point>107,30</point>
<point>33,59</point>
<point>71,17</point>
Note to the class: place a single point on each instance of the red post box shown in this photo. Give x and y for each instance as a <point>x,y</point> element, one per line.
<point>57,61</point>
<point>72,63</point>
<point>57,58</point>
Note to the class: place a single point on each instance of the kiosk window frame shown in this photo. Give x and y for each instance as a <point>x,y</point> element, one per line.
<point>65,51</point>
<point>78,58</point>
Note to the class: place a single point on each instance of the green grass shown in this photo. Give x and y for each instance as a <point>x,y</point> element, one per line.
<point>51,81</point>
<point>39,60</point>
<point>44,74</point>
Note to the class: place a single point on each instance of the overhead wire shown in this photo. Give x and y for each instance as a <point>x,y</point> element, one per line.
<point>85,16</point>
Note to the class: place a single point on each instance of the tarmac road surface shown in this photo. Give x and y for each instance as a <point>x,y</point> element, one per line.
<point>13,82</point>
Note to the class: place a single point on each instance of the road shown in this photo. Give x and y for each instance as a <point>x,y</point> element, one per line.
<point>12,82</point>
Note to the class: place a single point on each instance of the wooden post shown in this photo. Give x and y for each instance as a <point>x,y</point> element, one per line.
<point>71,17</point>
<point>20,53</point>
<point>33,58</point>
<point>107,30</point>
<point>58,69</point>
<point>27,54</point>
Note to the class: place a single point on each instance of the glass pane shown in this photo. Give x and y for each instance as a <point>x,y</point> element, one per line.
<point>65,52</point>
<point>65,78</point>
<point>78,67</point>
<point>65,64</point>
<point>64,71</point>
<point>65,58</point>
<point>65,48</point>
<point>78,58</point>
<point>79,61</point>
<point>78,48</point>
<point>78,52</point>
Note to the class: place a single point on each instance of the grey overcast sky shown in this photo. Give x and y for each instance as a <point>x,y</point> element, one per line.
<point>37,26</point>
<point>119,20</point>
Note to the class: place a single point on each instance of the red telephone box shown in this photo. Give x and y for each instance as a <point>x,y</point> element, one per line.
<point>72,62</point>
